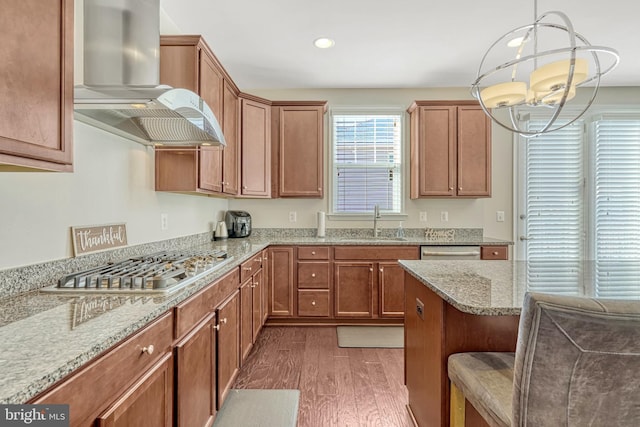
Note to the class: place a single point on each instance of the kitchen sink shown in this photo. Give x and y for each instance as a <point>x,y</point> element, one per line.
<point>372,239</point>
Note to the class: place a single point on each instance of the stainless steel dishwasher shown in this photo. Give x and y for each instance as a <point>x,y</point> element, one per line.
<point>449,252</point>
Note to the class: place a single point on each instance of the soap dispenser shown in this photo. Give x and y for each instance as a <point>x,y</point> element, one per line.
<point>400,231</point>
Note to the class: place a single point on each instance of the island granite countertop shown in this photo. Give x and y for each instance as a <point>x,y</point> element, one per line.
<point>42,341</point>
<point>495,288</point>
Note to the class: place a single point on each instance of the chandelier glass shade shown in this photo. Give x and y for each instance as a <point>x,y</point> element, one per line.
<point>540,65</point>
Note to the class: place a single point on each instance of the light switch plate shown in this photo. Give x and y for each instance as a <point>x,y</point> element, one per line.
<point>500,216</point>
<point>423,216</point>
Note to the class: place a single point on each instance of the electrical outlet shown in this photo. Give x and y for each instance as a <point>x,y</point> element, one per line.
<point>164,221</point>
<point>293,216</point>
<point>423,216</point>
<point>500,216</point>
<point>444,216</point>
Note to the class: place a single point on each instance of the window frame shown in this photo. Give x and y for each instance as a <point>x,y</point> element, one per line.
<point>360,110</point>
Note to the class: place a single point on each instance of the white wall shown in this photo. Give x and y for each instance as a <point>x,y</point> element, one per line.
<point>462,212</point>
<point>113,181</point>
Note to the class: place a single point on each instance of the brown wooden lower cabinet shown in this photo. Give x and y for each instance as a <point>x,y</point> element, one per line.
<point>121,371</point>
<point>434,330</point>
<point>246,317</point>
<point>391,281</point>
<point>281,281</point>
<point>228,345</point>
<point>196,376</point>
<point>257,308</point>
<point>353,289</point>
<point>149,402</point>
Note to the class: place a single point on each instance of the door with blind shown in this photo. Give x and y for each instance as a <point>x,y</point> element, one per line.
<point>551,218</point>
<point>579,208</point>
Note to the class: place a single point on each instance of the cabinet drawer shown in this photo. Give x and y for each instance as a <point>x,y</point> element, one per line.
<point>376,252</point>
<point>313,303</point>
<point>313,275</point>
<point>313,252</point>
<point>249,267</point>
<point>114,372</point>
<point>494,252</point>
<point>192,310</point>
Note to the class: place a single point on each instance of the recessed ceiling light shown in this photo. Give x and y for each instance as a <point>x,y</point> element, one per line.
<point>323,43</point>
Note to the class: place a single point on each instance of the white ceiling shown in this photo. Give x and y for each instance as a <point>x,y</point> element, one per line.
<point>267,44</point>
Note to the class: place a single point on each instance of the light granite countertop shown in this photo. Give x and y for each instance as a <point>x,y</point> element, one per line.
<point>496,288</point>
<point>43,338</point>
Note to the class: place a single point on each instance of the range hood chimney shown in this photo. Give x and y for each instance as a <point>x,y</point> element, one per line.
<point>121,92</point>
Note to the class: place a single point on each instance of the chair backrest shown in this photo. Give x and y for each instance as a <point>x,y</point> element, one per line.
<point>577,362</point>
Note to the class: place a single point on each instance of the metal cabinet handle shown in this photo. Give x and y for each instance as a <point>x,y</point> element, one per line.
<point>381,270</point>
<point>217,327</point>
<point>149,349</point>
<point>313,303</point>
<point>224,320</point>
<point>313,274</point>
<point>459,188</point>
<point>247,269</point>
<point>495,252</point>
<point>450,188</point>
<point>313,252</point>
<point>371,269</point>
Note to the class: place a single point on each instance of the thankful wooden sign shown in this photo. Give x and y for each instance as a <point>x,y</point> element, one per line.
<point>98,238</point>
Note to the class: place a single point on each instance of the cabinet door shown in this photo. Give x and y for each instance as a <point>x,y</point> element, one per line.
<point>301,151</point>
<point>435,152</point>
<point>211,90</point>
<point>265,285</point>
<point>147,403</point>
<point>281,281</point>
<point>231,130</point>
<point>246,318</point>
<point>256,149</point>
<point>474,152</point>
<point>257,293</point>
<point>36,87</point>
<point>391,281</point>
<point>354,289</point>
<point>228,345</point>
<point>196,376</point>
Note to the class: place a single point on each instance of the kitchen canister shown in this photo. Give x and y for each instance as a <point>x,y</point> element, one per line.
<point>321,224</point>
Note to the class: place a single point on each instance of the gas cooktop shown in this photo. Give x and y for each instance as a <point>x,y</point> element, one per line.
<point>162,272</point>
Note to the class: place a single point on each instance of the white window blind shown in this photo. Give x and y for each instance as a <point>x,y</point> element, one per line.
<point>617,207</point>
<point>367,163</point>
<point>554,209</point>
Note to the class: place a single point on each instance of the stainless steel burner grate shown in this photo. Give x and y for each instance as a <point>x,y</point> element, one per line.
<point>164,272</point>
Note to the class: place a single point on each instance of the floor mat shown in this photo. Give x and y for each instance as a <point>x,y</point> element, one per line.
<point>371,336</point>
<point>259,408</point>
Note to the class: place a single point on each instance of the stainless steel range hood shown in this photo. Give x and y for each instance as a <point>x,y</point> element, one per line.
<point>121,91</point>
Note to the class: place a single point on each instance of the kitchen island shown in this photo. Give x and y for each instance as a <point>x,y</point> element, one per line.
<point>461,306</point>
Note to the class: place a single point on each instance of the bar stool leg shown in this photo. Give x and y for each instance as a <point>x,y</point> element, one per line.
<point>457,407</point>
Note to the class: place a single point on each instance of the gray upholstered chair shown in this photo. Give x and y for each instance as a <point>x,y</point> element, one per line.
<point>577,363</point>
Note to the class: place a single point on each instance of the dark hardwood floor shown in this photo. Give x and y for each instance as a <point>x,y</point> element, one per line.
<point>345,387</point>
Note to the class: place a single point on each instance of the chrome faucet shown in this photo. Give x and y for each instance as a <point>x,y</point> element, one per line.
<point>376,217</point>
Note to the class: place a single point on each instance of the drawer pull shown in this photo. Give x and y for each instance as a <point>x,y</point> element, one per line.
<point>148,350</point>
<point>313,274</point>
<point>257,260</point>
<point>223,320</point>
<point>313,252</point>
<point>254,285</point>
<point>381,270</point>
<point>313,303</point>
<point>217,327</point>
<point>247,269</point>
<point>495,252</point>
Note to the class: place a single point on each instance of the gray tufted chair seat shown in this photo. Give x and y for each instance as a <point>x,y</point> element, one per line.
<point>577,363</point>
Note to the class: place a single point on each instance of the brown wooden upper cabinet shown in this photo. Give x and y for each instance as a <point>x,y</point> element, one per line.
<point>188,62</point>
<point>255,154</point>
<point>450,149</point>
<point>36,88</point>
<point>297,152</point>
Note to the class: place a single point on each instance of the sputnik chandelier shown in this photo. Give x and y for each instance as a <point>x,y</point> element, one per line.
<point>553,58</point>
